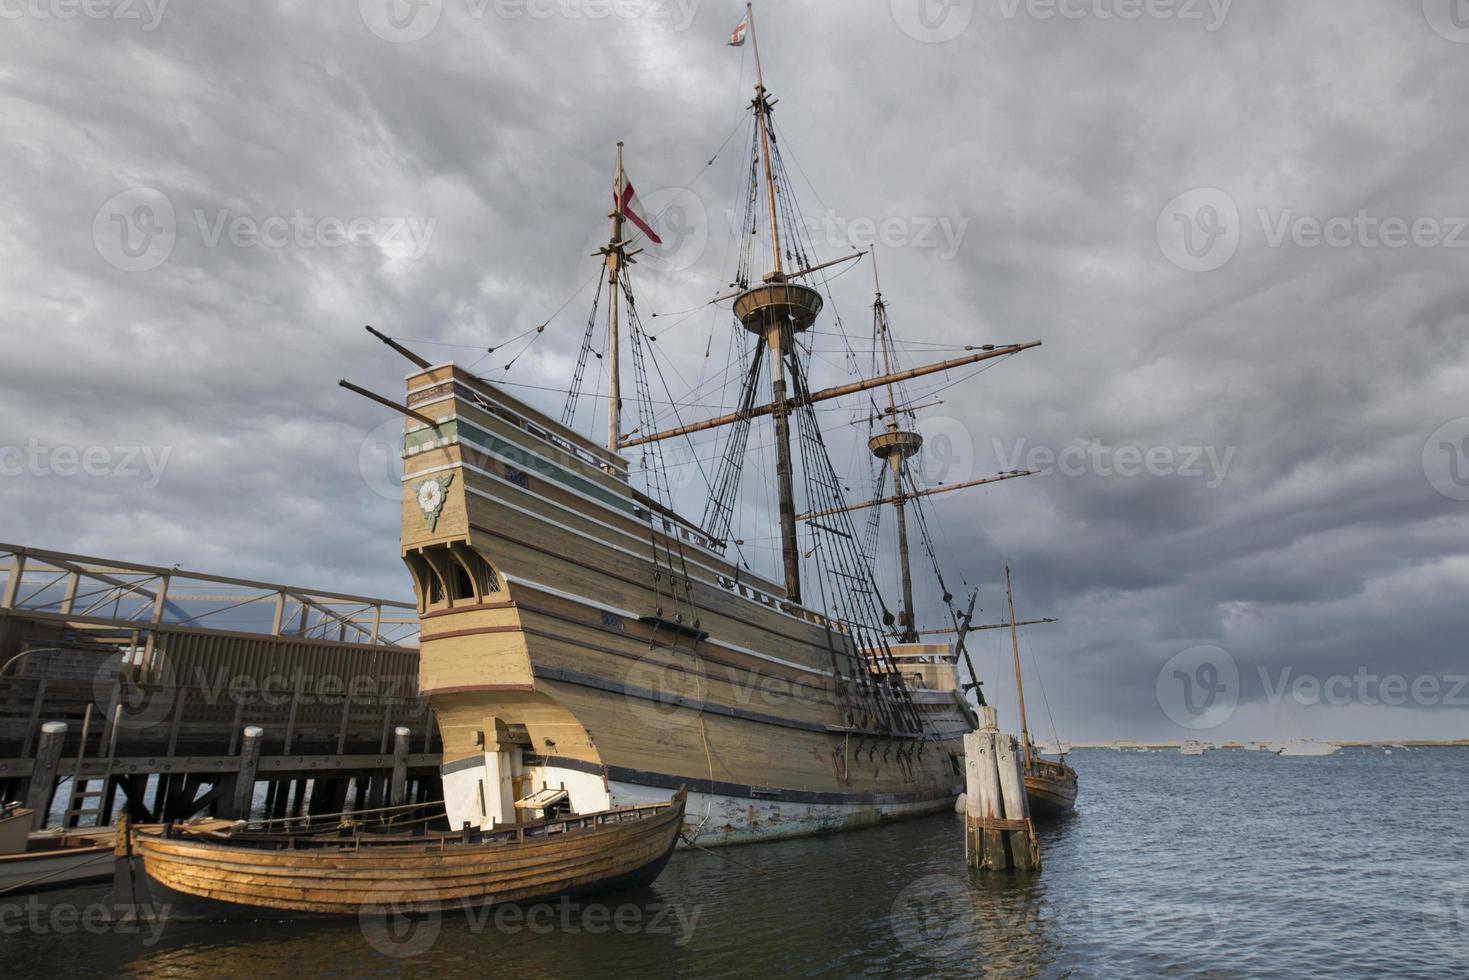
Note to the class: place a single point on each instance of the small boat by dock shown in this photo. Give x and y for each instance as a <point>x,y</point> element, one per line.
<point>30,861</point>
<point>220,870</point>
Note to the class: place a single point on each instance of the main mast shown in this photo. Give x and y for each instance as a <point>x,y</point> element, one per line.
<point>775,311</point>
<point>615,254</point>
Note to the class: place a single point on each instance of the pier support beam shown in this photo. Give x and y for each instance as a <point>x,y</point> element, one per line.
<point>249,764</point>
<point>43,776</point>
<point>397,795</point>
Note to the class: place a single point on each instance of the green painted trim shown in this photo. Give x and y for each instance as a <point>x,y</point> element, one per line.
<point>529,461</point>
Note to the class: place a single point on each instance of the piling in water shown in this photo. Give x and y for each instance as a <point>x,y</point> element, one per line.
<point>998,834</point>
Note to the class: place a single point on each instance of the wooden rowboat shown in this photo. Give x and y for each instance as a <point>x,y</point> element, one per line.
<point>1050,787</point>
<point>215,869</point>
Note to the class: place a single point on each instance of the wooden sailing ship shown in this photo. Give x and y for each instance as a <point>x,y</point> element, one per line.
<point>580,632</point>
<point>217,869</point>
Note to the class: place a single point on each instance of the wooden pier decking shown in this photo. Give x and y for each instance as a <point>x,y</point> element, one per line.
<point>154,675</point>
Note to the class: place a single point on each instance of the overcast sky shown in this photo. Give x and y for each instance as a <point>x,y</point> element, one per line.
<point>1265,407</point>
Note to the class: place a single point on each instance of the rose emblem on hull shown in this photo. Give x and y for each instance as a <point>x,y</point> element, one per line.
<point>431,497</point>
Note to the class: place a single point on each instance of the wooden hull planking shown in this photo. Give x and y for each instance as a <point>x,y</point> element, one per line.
<point>1051,792</point>
<point>217,879</point>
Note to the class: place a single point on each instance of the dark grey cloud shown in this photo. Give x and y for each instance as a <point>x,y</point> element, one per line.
<point>1054,143</point>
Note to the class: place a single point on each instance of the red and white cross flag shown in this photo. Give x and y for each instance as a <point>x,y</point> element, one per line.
<point>632,209</point>
<point>737,36</point>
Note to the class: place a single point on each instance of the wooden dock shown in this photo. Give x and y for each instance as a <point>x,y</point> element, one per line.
<point>167,694</point>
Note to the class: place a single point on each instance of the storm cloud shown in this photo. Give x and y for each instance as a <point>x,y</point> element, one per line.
<point>1238,228</point>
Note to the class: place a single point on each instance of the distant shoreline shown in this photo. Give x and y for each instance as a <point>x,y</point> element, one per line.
<point>1409,743</point>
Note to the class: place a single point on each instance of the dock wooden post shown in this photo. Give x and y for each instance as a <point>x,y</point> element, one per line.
<point>1024,851</point>
<point>249,764</point>
<point>400,766</point>
<point>997,830</point>
<point>43,776</point>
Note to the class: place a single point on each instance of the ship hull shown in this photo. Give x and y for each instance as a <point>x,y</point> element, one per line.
<point>577,636</point>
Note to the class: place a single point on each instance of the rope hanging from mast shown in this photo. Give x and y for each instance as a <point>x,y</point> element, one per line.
<point>568,412</point>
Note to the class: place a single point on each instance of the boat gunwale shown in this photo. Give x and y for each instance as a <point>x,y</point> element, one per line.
<point>440,842</point>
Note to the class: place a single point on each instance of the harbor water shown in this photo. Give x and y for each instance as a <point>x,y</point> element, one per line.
<point>1231,864</point>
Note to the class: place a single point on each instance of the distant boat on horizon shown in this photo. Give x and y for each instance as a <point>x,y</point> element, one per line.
<point>1304,747</point>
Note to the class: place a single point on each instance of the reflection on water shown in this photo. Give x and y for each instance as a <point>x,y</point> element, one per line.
<point>1231,864</point>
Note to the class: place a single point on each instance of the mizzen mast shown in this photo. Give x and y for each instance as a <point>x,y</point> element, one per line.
<point>895,446</point>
